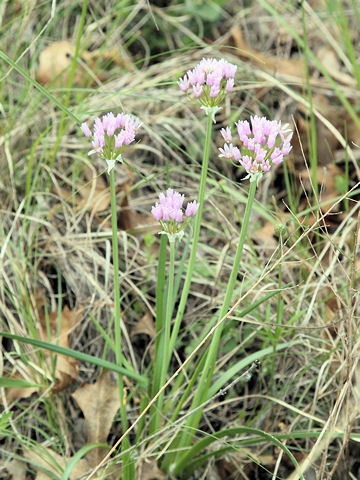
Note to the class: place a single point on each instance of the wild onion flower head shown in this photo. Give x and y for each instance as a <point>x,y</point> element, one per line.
<point>208,83</point>
<point>111,134</point>
<point>169,212</point>
<point>262,144</point>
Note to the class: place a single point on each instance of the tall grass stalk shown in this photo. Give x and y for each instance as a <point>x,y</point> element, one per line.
<point>162,356</point>
<point>312,136</point>
<point>207,372</point>
<point>190,268</point>
<point>128,465</point>
<point>162,361</point>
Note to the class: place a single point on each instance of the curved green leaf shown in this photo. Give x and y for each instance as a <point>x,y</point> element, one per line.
<point>187,463</point>
<point>69,352</point>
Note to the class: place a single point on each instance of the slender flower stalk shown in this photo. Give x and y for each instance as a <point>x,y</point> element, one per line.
<point>127,474</point>
<point>111,134</point>
<point>173,220</point>
<point>190,268</point>
<point>208,369</point>
<point>268,143</point>
<point>205,75</point>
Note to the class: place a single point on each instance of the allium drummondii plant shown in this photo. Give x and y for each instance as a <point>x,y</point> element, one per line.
<point>208,83</point>
<point>169,213</point>
<point>173,219</point>
<point>262,145</point>
<point>111,135</point>
<point>265,144</point>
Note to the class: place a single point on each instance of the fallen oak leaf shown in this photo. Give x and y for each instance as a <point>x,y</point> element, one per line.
<point>66,369</point>
<point>48,463</point>
<point>55,63</point>
<point>148,470</point>
<point>16,469</point>
<point>133,222</point>
<point>273,64</point>
<point>146,326</point>
<point>99,403</point>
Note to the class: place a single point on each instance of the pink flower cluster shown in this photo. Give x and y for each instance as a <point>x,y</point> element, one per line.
<point>111,134</point>
<point>169,212</point>
<point>209,81</point>
<point>264,144</point>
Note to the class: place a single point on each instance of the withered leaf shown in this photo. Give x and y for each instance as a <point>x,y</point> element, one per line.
<point>99,403</point>
<point>46,459</point>
<point>145,325</point>
<point>66,370</point>
<point>148,470</point>
<point>55,63</point>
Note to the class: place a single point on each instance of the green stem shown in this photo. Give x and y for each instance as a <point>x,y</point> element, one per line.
<point>185,291</point>
<point>164,353</point>
<point>127,464</point>
<point>187,283</point>
<point>207,373</point>
<point>159,325</point>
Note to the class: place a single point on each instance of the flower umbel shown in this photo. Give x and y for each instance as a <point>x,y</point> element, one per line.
<point>169,212</point>
<point>208,83</point>
<point>111,135</point>
<point>263,144</point>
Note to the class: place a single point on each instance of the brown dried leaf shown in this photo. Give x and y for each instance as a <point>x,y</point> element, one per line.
<point>56,59</point>
<point>55,63</point>
<point>278,65</point>
<point>94,196</point>
<point>265,236</point>
<point>16,469</point>
<point>47,459</point>
<point>148,470</point>
<point>328,58</point>
<point>66,367</point>
<point>134,222</point>
<point>326,177</point>
<point>145,325</point>
<point>99,403</point>
<point>16,393</point>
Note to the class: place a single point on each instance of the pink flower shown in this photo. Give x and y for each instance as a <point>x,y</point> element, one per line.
<point>210,80</point>
<point>197,89</point>
<point>86,130</point>
<point>214,91</point>
<point>243,129</point>
<point>184,83</point>
<point>229,151</point>
<point>263,145</point>
<point>169,211</point>
<point>157,212</point>
<point>122,127</point>
<point>226,134</point>
<point>230,85</point>
<point>191,209</point>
